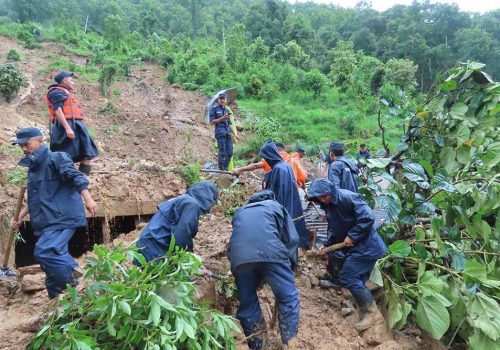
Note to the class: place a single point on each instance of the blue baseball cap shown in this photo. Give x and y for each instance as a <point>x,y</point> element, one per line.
<point>223,95</point>
<point>337,146</point>
<point>23,135</point>
<point>61,75</point>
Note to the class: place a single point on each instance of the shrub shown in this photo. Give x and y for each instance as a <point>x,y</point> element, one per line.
<point>191,173</point>
<point>126,307</point>
<point>11,80</point>
<point>13,56</point>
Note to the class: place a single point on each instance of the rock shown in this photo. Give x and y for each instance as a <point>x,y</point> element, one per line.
<point>304,282</point>
<point>314,280</point>
<point>29,270</point>
<point>377,334</point>
<point>30,325</point>
<point>8,286</point>
<point>32,283</point>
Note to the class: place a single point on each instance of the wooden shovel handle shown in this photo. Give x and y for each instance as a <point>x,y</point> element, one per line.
<point>13,231</point>
<point>333,248</point>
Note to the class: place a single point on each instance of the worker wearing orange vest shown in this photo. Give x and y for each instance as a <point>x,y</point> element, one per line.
<point>298,171</point>
<point>68,133</point>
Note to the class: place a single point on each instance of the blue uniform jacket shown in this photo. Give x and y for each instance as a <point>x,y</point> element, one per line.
<point>178,217</point>
<point>221,128</point>
<point>344,173</point>
<point>54,186</point>
<point>262,232</point>
<point>366,155</point>
<point>349,215</point>
<point>281,181</point>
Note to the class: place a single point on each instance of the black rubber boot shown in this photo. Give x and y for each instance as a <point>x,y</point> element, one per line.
<point>85,168</point>
<point>370,314</point>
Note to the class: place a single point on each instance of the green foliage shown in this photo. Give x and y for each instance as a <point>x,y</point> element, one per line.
<point>11,80</point>
<point>444,195</point>
<point>13,55</point>
<point>124,306</point>
<point>17,177</point>
<point>315,81</point>
<point>191,174</point>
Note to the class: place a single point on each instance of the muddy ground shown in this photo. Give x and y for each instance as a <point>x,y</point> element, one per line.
<point>144,144</point>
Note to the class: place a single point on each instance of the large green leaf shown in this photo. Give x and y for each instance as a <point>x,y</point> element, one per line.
<point>463,133</point>
<point>429,284</point>
<point>483,313</point>
<point>448,156</point>
<point>475,271</point>
<point>377,162</point>
<point>458,110</point>
<point>416,173</point>
<point>433,316</point>
<point>479,341</point>
<point>390,203</point>
<point>457,260</point>
<point>400,249</point>
<point>440,181</point>
<point>376,276</point>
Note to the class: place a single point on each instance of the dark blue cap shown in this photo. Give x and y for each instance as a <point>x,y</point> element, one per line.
<point>337,146</point>
<point>223,95</point>
<point>300,150</point>
<point>24,134</point>
<point>61,75</point>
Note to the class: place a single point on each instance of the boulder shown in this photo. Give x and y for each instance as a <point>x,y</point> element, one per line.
<point>33,283</point>
<point>29,270</point>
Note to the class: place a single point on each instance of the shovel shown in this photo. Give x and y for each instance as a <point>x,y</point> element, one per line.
<point>235,181</point>
<point>327,250</point>
<point>5,271</point>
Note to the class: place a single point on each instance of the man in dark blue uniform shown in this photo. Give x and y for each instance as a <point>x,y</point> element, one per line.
<point>342,172</point>
<point>55,191</point>
<point>281,181</point>
<point>263,248</point>
<point>363,152</point>
<point>177,217</point>
<point>220,117</point>
<point>68,132</point>
<point>350,220</point>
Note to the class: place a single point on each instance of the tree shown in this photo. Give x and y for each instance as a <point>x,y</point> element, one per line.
<point>315,81</point>
<point>236,47</point>
<point>343,61</point>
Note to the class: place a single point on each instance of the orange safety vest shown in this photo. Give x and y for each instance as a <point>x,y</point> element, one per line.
<point>71,107</point>
<point>299,172</point>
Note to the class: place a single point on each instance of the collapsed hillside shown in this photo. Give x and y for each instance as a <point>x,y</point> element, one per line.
<point>152,132</point>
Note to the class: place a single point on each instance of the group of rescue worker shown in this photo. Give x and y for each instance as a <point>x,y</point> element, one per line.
<point>267,232</point>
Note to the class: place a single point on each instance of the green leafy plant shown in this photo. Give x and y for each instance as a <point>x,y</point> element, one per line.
<point>13,55</point>
<point>191,173</point>
<point>124,306</point>
<point>442,267</point>
<point>17,177</point>
<point>11,80</point>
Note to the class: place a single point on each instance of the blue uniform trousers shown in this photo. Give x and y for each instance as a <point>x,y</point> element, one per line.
<point>82,147</point>
<point>281,279</point>
<point>354,273</point>
<point>51,251</point>
<point>225,145</point>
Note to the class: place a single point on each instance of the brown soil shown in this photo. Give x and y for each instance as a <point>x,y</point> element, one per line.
<point>155,132</point>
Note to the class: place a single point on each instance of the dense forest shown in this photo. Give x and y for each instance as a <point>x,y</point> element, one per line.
<point>433,36</point>
<point>296,64</point>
